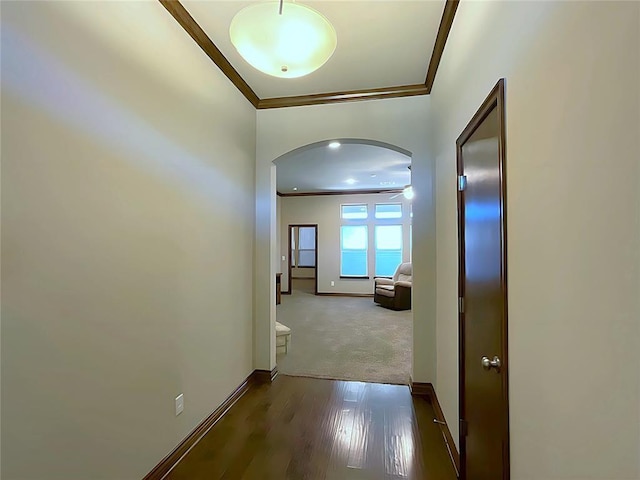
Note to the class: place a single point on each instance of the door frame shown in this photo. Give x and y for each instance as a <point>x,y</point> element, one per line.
<point>291,227</point>
<point>494,100</point>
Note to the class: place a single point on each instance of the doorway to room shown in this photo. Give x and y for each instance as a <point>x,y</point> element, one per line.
<point>343,213</point>
<point>303,258</point>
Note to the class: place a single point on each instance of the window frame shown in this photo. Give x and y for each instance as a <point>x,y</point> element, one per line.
<point>300,250</point>
<point>366,250</point>
<point>388,219</point>
<point>363,219</point>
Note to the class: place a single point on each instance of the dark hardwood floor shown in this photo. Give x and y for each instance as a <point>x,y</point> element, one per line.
<point>307,428</point>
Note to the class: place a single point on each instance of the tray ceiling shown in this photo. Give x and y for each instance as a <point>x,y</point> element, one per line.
<point>380,44</point>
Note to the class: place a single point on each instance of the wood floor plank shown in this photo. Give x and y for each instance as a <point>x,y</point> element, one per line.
<point>308,429</point>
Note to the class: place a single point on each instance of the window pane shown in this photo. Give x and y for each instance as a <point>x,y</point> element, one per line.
<point>353,250</point>
<point>387,261</point>
<point>353,263</point>
<point>307,258</point>
<point>388,254</point>
<point>388,210</point>
<point>353,238</point>
<point>353,212</point>
<point>388,237</point>
<point>307,238</point>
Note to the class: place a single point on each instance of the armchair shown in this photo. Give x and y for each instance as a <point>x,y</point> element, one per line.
<point>395,293</point>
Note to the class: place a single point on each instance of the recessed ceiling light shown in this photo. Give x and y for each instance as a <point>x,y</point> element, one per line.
<point>295,189</point>
<point>350,181</point>
<point>373,175</point>
<point>334,145</point>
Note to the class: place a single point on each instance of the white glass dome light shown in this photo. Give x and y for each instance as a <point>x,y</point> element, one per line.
<point>290,44</point>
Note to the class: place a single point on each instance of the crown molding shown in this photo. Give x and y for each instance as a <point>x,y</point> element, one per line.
<point>186,21</point>
<point>340,192</point>
<point>446,22</point>
<point>341,97</point>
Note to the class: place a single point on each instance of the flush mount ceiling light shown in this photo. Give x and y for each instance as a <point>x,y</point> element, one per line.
<point>283,39</point>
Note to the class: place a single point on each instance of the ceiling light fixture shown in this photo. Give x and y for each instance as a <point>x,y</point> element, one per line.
<point>334,145</point>
<point>295,189</point>
<point>350,181</point>
<point>283,39</point>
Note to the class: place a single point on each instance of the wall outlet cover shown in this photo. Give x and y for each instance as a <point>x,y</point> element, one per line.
<point>179,404</point>
<point>333,284</point>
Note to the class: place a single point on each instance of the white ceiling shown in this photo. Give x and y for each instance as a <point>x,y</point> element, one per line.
<point>380,44</point>
<point>318,168</point>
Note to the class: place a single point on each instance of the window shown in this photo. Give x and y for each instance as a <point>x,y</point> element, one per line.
<point>388,210</point>
<point>353,212</point>
<point>294,256</point>
<point>388,249</point>
<point>307,247</point>
<point>353,251</point>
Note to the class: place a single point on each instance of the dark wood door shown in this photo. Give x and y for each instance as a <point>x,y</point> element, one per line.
<point>484,411</point>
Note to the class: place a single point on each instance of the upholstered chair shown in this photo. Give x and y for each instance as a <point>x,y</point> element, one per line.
<point>395,293</point>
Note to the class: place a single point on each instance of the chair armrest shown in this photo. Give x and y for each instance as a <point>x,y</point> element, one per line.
<point>383,281</point>
<point>402,297</point>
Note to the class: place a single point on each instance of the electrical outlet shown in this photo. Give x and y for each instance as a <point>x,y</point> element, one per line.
<point>284,258</point>
<point>179,404</point>
<point>333,284</point>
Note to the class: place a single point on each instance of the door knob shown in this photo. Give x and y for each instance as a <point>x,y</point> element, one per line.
<point>488,364</point>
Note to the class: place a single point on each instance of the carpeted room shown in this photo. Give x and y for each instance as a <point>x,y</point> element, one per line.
<point>348,338</point>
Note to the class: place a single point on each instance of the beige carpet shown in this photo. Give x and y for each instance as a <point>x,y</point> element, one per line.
<point>345,338</point>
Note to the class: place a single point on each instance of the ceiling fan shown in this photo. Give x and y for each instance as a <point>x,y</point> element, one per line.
<point>407,191</point>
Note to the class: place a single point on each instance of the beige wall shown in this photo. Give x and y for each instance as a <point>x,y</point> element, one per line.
<point>325,211</point>
<point>127,226</point>
<point>572,113</point>
<point>297,272</point>
<point>402,122</point>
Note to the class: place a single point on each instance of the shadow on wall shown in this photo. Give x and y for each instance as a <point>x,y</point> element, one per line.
<point>48,85</point>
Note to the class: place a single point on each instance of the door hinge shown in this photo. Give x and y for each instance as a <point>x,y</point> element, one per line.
<point>461,304</point>
<point>462,183</point>
<point>464,428</point>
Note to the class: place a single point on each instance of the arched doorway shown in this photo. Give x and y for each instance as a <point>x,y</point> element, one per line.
<point>341,221</point>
